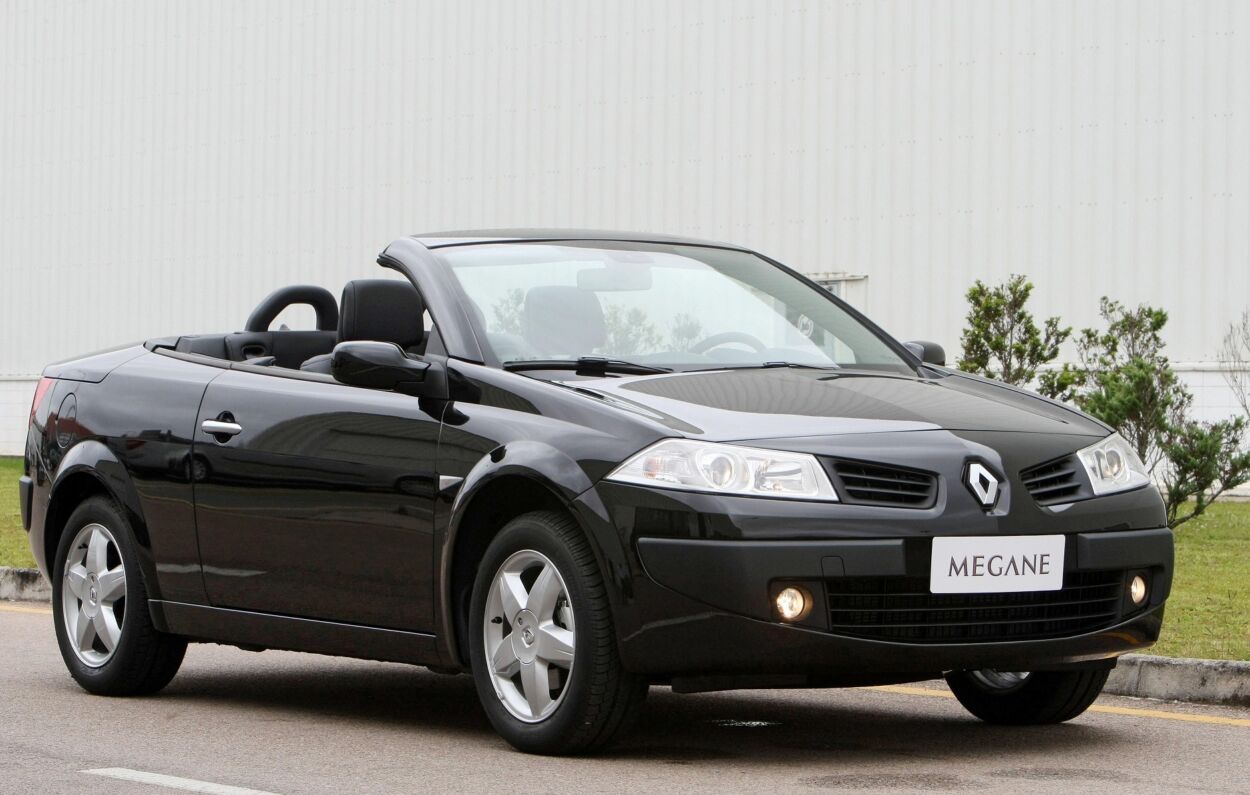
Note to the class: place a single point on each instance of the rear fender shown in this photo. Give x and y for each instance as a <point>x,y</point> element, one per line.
<point>93,459</point>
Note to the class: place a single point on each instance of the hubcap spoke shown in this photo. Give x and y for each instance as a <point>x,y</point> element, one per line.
<point>512,592</point>
<point>544,593</point>
<point>97,553</point>
<point>106,628</point>
<point>555,645</point>
<point>111,585</point>
<point>537,684</point>
<point>84,630</point>
<point>504,661</point>
<point>76,576</point>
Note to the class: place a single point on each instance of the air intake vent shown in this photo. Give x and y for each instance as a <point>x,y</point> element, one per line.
<point>859,483</point>
<point>1055,481</point>
<point>901,609</point>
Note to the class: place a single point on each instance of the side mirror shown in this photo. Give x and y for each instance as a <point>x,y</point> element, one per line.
<point>382,365</point>
<point>927,352</point>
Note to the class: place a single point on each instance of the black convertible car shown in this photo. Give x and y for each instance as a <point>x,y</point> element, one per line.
<point>576,464</point>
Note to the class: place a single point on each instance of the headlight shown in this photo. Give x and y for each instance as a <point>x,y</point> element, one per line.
<point>1113,465</point>
<point>727,469</point>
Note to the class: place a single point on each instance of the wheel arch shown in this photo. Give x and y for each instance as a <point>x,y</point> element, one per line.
<point>511,481</point>
<point>90,469</point>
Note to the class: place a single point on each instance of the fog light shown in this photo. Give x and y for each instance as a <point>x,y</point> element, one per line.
<point>1137,589</point>
<point>793,603</point>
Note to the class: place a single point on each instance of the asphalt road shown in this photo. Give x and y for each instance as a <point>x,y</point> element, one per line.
<point>293,723</point>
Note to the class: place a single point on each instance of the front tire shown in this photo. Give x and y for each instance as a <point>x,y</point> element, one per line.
<point>1027,698</point>
<point>542,643</point>
<point>100,607</point>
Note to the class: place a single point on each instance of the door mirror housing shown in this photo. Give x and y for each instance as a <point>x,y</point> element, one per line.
<point>384,365</point>
<point>927,352</point>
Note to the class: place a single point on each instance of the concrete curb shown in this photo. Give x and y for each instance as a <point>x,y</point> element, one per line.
<point>24,585</point>
<point>1182,679</point>
<point>1138,675</point>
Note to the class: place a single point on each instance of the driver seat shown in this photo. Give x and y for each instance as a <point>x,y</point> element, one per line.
<point>378,310</point>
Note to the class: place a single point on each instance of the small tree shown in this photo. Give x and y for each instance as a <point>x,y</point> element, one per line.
<point>1124,379</point>
<point>1001,340</point>
<point>1235,356</point>
<point>1206,459</point>
<point>509,310</point>
<point>686,330</point>
<point>630,331</point>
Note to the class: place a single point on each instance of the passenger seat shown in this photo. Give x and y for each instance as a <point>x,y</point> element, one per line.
<point>563,321</point>
<point>381,310</point>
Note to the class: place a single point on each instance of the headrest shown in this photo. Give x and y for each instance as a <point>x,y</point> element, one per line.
<point>384,310</point>
<point>563,320</point>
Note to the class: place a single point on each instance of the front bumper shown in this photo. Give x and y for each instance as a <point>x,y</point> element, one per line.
<point>716,599</point>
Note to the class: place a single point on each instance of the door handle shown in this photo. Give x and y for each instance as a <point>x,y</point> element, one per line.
<point>220,428</point>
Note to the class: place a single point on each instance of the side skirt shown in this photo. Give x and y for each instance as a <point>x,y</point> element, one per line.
<point>267,631</point>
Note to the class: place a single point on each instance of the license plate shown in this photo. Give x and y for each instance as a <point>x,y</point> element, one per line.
<point>989,564</point>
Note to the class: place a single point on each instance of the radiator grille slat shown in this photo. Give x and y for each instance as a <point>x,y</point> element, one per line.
<point>901,610</point>
<point>860,483</point>
<point>1053,482</point>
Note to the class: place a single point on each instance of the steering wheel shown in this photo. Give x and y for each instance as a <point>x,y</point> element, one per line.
<point>725,338</point>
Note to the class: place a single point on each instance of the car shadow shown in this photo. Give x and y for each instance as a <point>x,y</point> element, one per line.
<point>743,726</point>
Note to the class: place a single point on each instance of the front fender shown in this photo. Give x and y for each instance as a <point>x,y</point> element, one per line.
<point>548,468</point>
<point>527,458</point>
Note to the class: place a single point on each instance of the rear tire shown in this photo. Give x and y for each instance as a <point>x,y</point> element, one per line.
<point>530,618</point>
<point>100,607</point>
<point>1034,698</point>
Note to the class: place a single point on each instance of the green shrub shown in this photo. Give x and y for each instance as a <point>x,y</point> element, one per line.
<point>1002,341</point>
<point>1124,379</point>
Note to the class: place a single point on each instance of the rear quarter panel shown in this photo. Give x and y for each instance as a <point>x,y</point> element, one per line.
<point>132,432</point>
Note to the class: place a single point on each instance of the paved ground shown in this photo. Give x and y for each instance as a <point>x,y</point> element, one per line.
<point>293,723</point>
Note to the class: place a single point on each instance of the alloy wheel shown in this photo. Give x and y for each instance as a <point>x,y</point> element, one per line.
<point>1000,681</point>
<point>93,595</point>
<point>529,636</point>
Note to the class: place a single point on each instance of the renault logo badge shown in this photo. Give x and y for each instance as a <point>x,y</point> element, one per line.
<point>982,483</point>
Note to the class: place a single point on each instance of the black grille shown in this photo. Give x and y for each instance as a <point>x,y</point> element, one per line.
<point>874,484</point>
<point>902,610</point>
<point>1054,482</point>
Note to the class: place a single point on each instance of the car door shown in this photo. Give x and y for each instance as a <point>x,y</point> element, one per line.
<point>316,499</point>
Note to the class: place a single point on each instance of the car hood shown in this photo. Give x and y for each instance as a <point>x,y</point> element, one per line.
<point>728,405</point>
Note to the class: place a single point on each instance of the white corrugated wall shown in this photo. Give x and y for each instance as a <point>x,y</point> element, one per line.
<point>165,164</point>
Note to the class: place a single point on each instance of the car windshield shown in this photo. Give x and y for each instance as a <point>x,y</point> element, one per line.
<point>673,306</point>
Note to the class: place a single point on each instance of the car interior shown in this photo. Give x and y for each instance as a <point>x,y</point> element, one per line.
<point>554,322</point>
<point>381,310</point>
<point>389,310</point>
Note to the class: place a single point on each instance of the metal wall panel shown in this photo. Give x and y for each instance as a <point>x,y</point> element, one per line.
<point>163,165</point>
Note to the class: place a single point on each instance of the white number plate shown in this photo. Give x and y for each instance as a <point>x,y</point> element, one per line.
<point>990,564</point>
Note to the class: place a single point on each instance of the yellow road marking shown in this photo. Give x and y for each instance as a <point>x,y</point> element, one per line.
<point>1131,711</point>
<point>39,611</point>
<point>1164,715</point>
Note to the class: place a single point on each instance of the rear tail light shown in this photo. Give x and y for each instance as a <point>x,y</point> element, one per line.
<point>41,392</point>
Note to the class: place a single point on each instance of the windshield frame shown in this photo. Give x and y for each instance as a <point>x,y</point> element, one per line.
<point>487,356</point>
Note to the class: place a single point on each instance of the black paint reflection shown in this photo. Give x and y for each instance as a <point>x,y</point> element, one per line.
<point>323,506</point>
